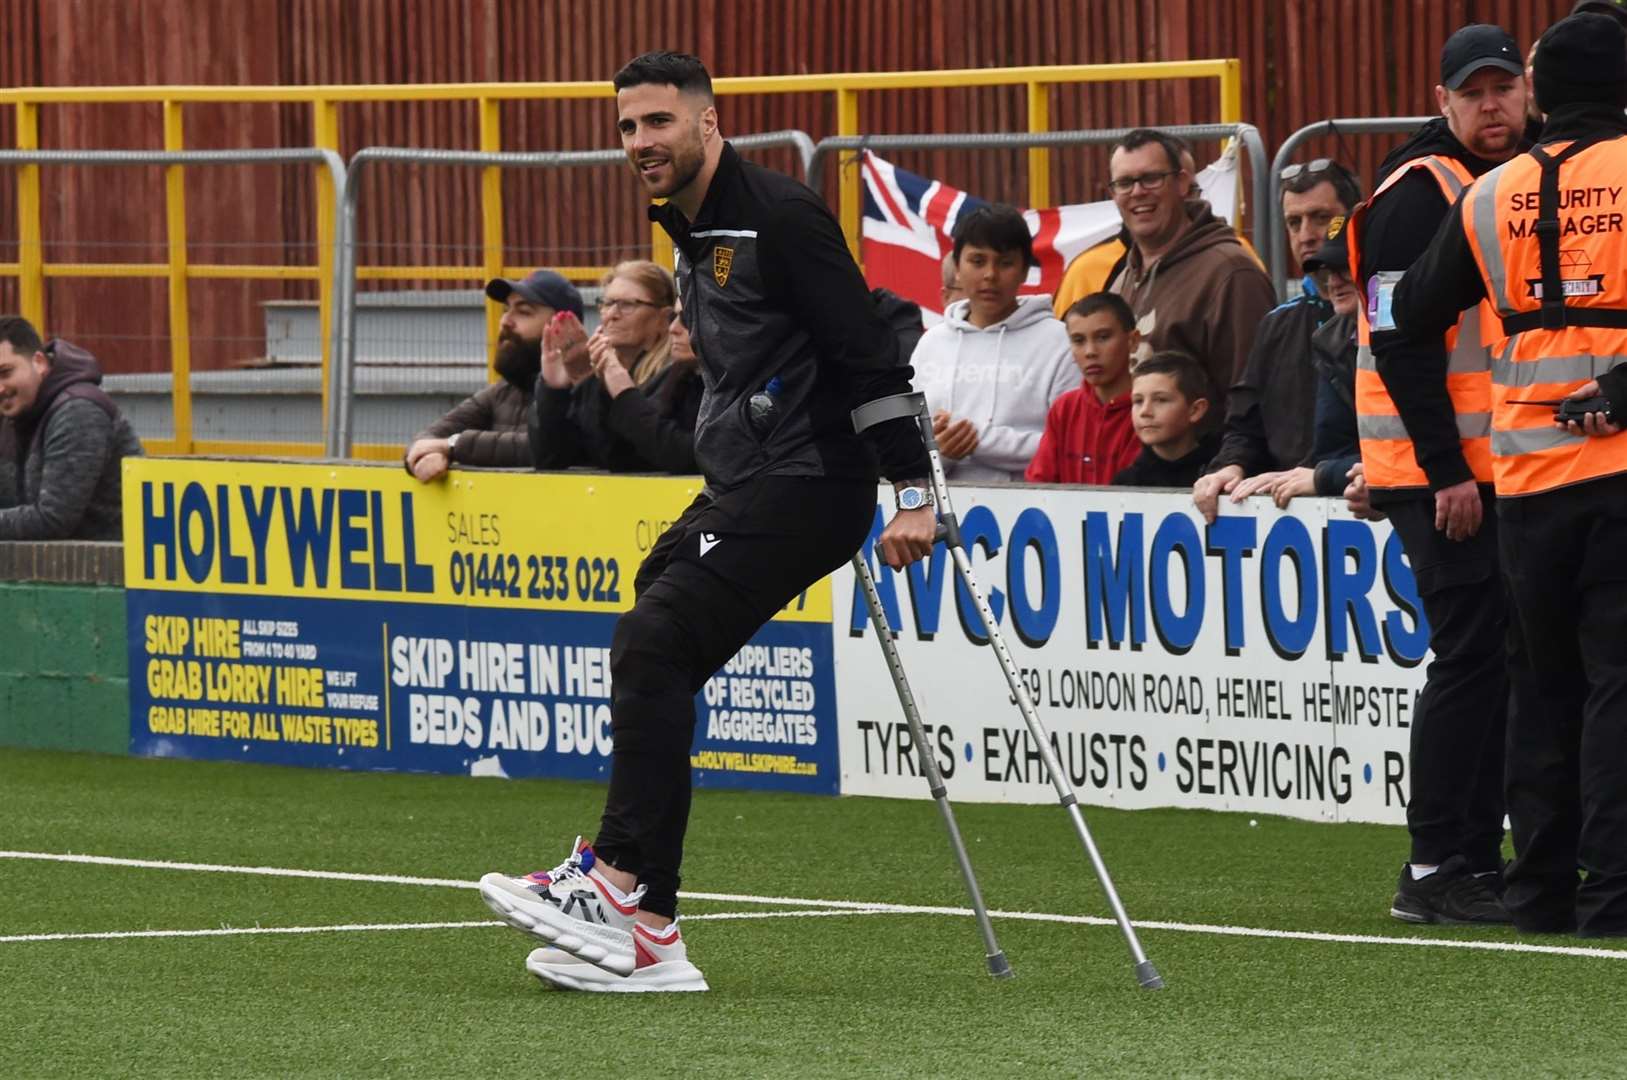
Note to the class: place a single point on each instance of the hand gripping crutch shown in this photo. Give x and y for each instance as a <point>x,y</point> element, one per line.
<point>913,406</point>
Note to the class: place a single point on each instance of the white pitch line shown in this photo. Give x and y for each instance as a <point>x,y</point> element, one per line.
<point>240,931</point>
<point>212,868</point>
<point>856,907</point>
<point>719,916</point>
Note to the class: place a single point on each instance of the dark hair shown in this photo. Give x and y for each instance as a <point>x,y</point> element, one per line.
<point>1345,184</point>
<point>998,227</point>
<point>20,334</point>
<point>665,68</point>
<point>1190,378</point>
<point>1104,301</point>
<point>1174,146</point>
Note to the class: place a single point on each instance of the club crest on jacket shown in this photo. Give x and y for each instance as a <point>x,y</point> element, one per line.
<point>722,260</point>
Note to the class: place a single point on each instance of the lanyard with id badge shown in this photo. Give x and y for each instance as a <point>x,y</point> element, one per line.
<point>1381,298</point>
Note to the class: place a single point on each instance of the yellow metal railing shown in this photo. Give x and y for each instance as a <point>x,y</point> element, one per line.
<point>32,270</point>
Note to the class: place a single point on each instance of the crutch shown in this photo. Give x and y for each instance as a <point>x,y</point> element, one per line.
<point>913,406</point>
<point>999,967</point>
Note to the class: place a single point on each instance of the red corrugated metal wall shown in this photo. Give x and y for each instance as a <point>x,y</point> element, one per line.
<point>1302,60</point>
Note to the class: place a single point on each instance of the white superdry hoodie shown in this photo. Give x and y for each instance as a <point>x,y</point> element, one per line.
<point>1002,377</point>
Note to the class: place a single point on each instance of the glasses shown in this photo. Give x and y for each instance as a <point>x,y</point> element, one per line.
<point>1290,173</point>
<point>1152,181</point>
<point>616,307</point>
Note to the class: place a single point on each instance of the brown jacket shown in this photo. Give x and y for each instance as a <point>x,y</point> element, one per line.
<point>1204,297</point>
<point>492,425</point>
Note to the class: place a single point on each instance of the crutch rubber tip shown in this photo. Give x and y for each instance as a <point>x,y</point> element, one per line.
<point>999,966</point>
<point>1148,976</point>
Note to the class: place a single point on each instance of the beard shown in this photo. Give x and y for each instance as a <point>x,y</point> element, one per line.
<point>1497,147</point>
<point>686,159</point>
<point>518,359</point>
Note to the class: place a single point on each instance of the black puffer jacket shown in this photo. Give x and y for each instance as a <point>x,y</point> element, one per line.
<point>644,429</point>
<point>1336,446</point>
<point>1268,412</point>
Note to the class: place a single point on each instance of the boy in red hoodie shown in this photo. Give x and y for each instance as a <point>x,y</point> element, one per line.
<point>1089,435</point>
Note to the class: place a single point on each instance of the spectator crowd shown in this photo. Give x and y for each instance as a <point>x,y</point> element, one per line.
<point>1172,363</point>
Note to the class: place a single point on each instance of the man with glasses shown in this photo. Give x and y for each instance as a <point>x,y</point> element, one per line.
<point>1270,408</point>
<point>1192,284</point>
<point>1423,416</point>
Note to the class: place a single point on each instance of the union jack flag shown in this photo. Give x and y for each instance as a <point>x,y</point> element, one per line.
<point>909,219</point>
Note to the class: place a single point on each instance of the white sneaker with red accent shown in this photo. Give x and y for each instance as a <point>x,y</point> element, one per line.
<point>662,964</point>
<point>571,907</point>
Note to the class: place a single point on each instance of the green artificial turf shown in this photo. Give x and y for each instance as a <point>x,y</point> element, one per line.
<point>846,995</point>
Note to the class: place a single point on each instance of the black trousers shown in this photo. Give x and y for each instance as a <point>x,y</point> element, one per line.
<point>723,569</point>
<point>1565,556</point>
<point>1459,723</point>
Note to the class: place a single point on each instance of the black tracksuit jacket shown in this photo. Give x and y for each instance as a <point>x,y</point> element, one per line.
<point>770,291</point>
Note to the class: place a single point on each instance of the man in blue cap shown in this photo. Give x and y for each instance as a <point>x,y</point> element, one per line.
<point>489,428</point>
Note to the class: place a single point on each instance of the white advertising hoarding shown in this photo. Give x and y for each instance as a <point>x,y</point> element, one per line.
<point>1268,663</point>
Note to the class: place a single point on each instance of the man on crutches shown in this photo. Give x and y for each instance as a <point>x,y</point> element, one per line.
<point>789,343</point>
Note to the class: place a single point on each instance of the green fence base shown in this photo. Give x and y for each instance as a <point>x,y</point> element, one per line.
<point>64,661</point>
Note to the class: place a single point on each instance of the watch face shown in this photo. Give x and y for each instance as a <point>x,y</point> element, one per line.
<point>911,499</point>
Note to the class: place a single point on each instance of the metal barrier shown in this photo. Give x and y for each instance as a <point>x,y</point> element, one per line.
<point>177,270</point>
<point>488,98</point>
<point>1248,133</point>
<point>1364,125</point>
<point>340,382</point>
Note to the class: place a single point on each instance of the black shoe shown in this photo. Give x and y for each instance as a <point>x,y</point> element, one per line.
<point>1591,931</point>
<point>1493,881</point>
<point>1450,896</point>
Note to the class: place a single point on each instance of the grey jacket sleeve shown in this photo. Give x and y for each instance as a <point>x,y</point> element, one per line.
<point>78,441</point>
<point>472,413</point>
<point>493,449</point>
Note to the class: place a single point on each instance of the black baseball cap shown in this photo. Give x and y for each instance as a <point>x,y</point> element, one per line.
<point>1334,254</point>
<point>1618,8</point>
<point>1477,46</point>
<point>539,287</point>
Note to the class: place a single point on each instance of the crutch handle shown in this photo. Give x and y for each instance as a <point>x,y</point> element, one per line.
<point>895,407</point>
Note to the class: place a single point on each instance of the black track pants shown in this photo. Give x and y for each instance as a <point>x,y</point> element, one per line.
<point>723,569</point>
<point>1565,555</point>
<point>1458,727</point>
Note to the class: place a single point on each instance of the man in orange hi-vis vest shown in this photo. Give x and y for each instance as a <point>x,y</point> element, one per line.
<point>1537,250</point>
<point>1423,421</point>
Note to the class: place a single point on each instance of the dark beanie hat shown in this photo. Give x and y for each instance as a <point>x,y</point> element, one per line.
<point>1582,58</point>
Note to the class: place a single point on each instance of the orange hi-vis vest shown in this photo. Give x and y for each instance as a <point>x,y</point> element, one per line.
<point>1554,318</point>
<point>1388,460</point>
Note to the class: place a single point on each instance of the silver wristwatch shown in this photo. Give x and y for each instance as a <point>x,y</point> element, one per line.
<point>914,497</point>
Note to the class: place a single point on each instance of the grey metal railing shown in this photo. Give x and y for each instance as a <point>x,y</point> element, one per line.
<point>1248,133</point>
<point>287,156</point>
<point>339,435</point>
<point>1364,125</point>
